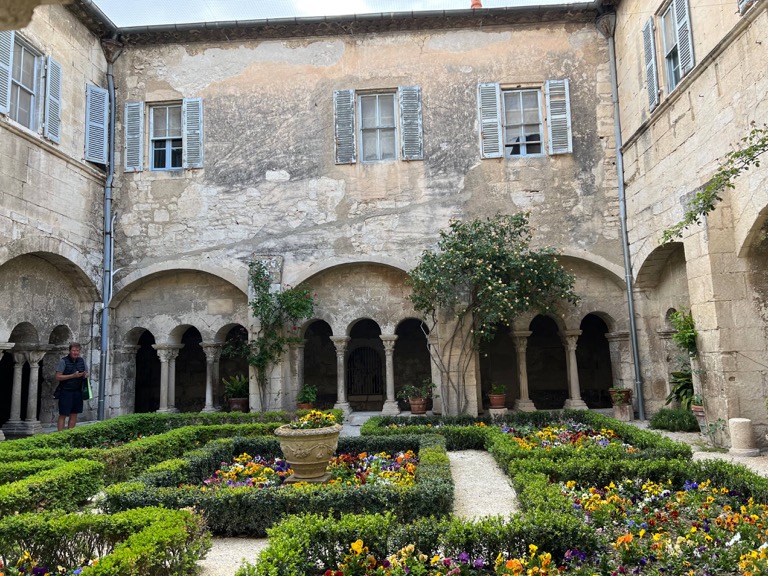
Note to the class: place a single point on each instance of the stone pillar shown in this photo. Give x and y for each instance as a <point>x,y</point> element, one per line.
<point>341,381</point>
<point>164,354</point>
<point>574,401</point>
<point>3,347</point>
<point>173,353</point>
<point>524,403</point>
<point>32,422</point>
<point>217,387</point>
<point>212,353</point>
<point>390,404</point>
<point>742,439</point>
<point>14,427</point>
<point>437,377</point>
<point>300,364</point>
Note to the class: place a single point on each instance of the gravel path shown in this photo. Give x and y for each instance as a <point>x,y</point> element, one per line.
<point>481,487</point>
<point>227,554</point>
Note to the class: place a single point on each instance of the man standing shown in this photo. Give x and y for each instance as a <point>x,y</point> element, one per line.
<point>71,372</point>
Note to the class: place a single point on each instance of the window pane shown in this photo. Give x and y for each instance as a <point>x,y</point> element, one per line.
<point>158,154</point>
<point>387,110</point>
<point>175,154</point>
<point>368,109</point>
<point>387,143</point>
<point>533,148</point>
<point>28,70</point>
<point>18,58</point>
<point>532,133</point>
<point>174,121</point>
<point>159,122</point>
<point>370,151</point>
<point>25,108</point>
<point>513,113</point>
<point>668,24</point>
<point>530,107</point>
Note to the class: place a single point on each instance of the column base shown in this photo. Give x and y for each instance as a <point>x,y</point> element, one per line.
<point>163,410</point>
<point>2,436</point>
<point>526,405</point>
<point>344,407</point>
<point>575,404</point>
<point>21,428</point>
<point>208,409</point>
<point>748,452</point>
<point>390,408</point>
<point>173,409</point>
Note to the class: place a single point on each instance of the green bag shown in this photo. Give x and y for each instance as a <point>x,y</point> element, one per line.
<point>87,393</point>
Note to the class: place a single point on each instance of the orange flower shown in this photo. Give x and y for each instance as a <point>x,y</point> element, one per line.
<point>515,565</point>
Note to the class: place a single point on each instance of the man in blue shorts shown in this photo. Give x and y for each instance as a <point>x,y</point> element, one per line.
<point>71,372</point>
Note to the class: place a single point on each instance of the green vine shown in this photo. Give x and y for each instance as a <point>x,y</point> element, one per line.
<point>754,145</point>
<point>278,314</point>
<point>685,333</point>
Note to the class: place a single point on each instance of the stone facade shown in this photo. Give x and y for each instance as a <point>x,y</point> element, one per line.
<point>268,186</point>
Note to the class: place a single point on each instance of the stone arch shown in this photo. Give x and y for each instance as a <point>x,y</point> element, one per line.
<point>24,333</point>
<point>593,358</point>
<point>411,361</point>
<point>230,365</point>
<point>614,271</point>
<point>191,372</point>
<point>365,365</point>
<point>297,276</point>
<point>146,397</point>
<point>498,363</point>
<point>61,335</point>
<point>650,270</point>
<point>546,363</point>
<point>319,366</point>
<point>756,233</point>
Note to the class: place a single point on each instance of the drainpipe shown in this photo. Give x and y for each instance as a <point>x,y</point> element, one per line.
<point>606,25</point>
<point>112,48</point>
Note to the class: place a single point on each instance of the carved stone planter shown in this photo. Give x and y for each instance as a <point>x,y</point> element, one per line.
<point>308,451</point>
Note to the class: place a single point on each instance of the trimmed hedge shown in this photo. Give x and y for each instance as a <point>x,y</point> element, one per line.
<point>249,511</point>
<point>13,471</point>
<point>64,487</point>
<point>142,542</point>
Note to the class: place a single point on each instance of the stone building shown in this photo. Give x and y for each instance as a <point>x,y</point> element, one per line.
<point>335,152</point>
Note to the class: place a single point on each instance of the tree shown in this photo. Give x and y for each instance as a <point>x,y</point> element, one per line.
<point>483,274</point>
<point>754,145</point>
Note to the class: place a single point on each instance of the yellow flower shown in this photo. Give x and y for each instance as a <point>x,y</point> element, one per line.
<point>357,547</point>
<point>532,548</point>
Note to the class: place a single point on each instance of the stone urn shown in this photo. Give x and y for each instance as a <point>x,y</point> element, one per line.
<point>308,451</point>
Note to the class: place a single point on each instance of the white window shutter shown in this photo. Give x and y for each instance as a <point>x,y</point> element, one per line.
<point>53,100</point>
<point>651,72</point>
<point>489,106</point>
<point>411,131</point>
<point>96,123</point>
<point>6,61</point>
<point>744,4</point>
<point>559,117</point>
<point>684,40</point>
<point>192,132</point>
<point>134,136</point>
<point>344,126</point>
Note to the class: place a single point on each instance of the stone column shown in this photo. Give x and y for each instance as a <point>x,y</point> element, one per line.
<point>524,403</point>
<point>436,375</point>
<point>341,381</point>
<point>390,404</point>
<point>212,353</point>
<point>173,353</point>
<point>300,364</point>
<point>14,427</point>
<point>3,347</point>
<point>32,422</point>
<point>217,387</point>
<point>574,393</point>
<point>164,354</point>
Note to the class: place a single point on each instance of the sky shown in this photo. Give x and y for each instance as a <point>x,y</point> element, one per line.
<point>131,13</point>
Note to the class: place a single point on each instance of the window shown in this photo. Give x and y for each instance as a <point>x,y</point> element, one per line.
<point>671,56</point>
<point>511,120</point>
<point>24,72</point>
<point>378,133</point>
<point>175,135</point>
<point>522,122</point>
<point>387,125</point>
<point>678,48</point>
<point>165,130</point>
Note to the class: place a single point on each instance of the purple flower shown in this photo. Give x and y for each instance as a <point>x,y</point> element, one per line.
<point>464,557</point>
<point>479,562</point>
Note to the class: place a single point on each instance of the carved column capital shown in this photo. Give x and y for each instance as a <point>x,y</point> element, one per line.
<point>389,342</point>
<point>212,351</point>
<point>341,343</point>
<point>570,337</point>
<point>173,351</point>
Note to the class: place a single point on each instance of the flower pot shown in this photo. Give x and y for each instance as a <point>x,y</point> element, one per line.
<point>238,404</point>
<point>418,405</point>
<point>701,418</point>
<point>620,396</point>
<point>498,400</point>
<point>304,405</point>
<point>308,450</point>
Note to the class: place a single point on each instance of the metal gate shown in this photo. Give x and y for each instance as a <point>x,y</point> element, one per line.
<point>364,372</point>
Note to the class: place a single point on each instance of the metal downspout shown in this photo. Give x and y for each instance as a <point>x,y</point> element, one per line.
<point>606,24</point>
<point>112,50</point>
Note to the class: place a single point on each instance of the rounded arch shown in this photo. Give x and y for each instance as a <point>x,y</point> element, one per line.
<point>363,321</point>
<point>176,335</point>
<point>319,366</point>
<point>132,336</point>
<point>24,333</point>
<point>604,317</point>
<point>650,271</point>
<point>593,358</point>
<point>294,277</point>
<point>60,335</point>
<point>614,271</point>
<point>225,332</point>
<point>755,235</point>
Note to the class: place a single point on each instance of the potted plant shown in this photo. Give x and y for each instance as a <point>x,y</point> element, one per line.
<point>307,397</point>
<point>682,388</point>
<point>236,389</point>
<point>417,395</point>
<point>697,407</point>
<point>620,396</point>
<point>308,444</point>
<point>498,395</point>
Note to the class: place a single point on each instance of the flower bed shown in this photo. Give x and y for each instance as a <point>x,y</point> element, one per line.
<point>568,433</point>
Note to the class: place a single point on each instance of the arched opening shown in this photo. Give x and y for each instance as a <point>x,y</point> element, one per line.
<point>593,357</point>
<point>545,360</point>
<point>498,364</point>
<point>233,364</point>
<point>147,390</point>
<point>365,367</point>
<point>191,373</point>
<point>412,364</point>
<point>320,362</point>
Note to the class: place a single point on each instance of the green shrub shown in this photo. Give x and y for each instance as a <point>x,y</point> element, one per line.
<point>13,471</point>
<point>679,420</point>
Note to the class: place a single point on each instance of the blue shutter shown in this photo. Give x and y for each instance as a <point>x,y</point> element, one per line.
<point>96,124</point>
<point>684,40</point>
<point>6,61</point>
<point>134,136</point>
<point>344,126</point>
<point>192,132</point>
<point>651,72</point>
<point>411,133</point>
<point>53,100</point>
<point>559,117</point>
<point>489,106</point>
<point>744,4</point>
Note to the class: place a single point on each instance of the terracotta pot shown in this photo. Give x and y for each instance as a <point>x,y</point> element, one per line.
<point>498,400</point>
<point>701,417</point>
<point>238,404</point>
<point>620,396</point>
<point>304,405</point>
<point>308,451</point>
<point>418,405</point>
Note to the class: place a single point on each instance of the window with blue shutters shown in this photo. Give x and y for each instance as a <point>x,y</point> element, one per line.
<point>96,124</point>
<point>678,44</point>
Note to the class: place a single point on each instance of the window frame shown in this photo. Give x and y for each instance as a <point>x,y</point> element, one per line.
<point>671,54</point>
<point>169,147</point>
<point>16,85</point>
<point>395,125</point>
<point>523,144</point>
